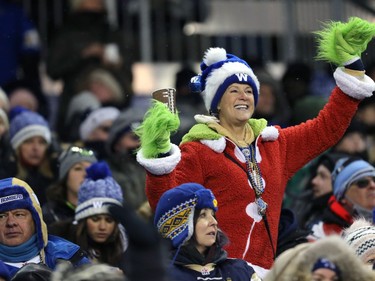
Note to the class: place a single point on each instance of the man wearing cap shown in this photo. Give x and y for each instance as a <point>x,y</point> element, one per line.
<point>23,233</point>
<point>353,181</point>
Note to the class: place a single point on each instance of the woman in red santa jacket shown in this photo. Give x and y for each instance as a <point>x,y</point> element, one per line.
<point>242,160</point>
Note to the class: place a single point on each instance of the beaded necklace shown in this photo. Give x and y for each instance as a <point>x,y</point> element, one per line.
<point>255,177</point>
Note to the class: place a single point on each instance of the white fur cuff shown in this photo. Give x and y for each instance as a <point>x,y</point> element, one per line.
<point>161,166</point>
<point>352,86</point>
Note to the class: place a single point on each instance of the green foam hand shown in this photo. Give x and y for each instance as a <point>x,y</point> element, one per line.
<point>340,43</point>
<point>156,129</point>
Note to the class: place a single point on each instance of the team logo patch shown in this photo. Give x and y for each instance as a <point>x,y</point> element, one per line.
<point>10,198</point>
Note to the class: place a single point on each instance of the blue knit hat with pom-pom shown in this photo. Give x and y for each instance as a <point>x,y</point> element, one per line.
<point>97,192</point>
<point>219,70</point>
<point>25,124</point>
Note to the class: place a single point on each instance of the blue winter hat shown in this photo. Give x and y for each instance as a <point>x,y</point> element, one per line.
<point>348,170</point>
<point>219,70</point>
<point>97,192</point>
<point>174,213</point>
<point>325,263</point>
<point>25,124</point>
<point>17,194</point>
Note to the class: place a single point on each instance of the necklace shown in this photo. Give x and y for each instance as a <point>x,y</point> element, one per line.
<point>255,177</point>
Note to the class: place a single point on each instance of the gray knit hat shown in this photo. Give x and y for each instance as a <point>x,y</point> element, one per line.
<point>127,121</point>
<point>73,155</point>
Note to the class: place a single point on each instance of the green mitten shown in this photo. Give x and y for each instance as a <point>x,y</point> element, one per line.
<point>156,129</point>
<point>342,43</point>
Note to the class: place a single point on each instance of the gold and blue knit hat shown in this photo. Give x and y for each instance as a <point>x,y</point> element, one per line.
<point>175,211</point>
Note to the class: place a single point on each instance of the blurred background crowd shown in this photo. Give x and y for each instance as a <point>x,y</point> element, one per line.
<point>76,78</point>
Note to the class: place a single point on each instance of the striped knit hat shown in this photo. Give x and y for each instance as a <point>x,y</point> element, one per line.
<point>98,191</point>
<point>361,237</point>
<point>348,170</point>
<point>219,70</point>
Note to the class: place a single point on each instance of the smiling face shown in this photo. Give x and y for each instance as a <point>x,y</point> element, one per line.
<point>100,227</point>
<point>205,230</point>
<point>16,227</point>
<point>237,105</point>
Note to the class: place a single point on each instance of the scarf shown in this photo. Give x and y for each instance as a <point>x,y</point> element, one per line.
<point>248,137</point>
<point>20,253</point>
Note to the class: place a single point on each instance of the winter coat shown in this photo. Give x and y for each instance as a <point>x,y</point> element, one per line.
<point>297,263</point>
<point>57,250</point>
<point>190,265</point>
<point>335,218</point>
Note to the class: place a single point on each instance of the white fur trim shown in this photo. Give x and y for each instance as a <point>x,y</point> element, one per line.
<point>352,86</point>
<point>270,133</point>
<point>95,118</point>
<point>216,145</point>
<point>161,166</point>
<point>217,76</point>
<point>205,119</point>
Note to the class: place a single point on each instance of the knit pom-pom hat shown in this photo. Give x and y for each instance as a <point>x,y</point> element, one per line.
<point>174,213</point>
<point>361,237</point>
<point>25,124</point>
<point>97,192</point>
<point>347,171</point>
<point>219,70</point>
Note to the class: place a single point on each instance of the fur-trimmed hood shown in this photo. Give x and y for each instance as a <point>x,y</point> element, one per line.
<point>296,263</point>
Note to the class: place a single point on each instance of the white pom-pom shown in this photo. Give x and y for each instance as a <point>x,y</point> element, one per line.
<point>214,55</point>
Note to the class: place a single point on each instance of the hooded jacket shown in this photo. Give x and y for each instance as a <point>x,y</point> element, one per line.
<point>297,263</point>
<point>17,194</point>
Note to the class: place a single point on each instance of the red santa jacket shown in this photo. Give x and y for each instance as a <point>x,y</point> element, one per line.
<point>279,152</point>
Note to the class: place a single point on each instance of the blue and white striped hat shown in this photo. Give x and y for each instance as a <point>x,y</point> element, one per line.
<point>348,170</point>
<point>219,70</point>
<point>97,192</point>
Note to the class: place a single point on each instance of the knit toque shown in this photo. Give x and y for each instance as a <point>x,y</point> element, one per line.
<point>95,118</point>
<point>361,237</point>
<point>98,191</point>
<point>25,124</point>
<point>174,213</point>
<point>72,156</point>
<point>347,171</point>
<point>219,70</point>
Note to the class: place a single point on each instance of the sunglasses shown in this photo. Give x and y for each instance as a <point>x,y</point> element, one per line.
<point>363,183</point>
<point>75,149</point>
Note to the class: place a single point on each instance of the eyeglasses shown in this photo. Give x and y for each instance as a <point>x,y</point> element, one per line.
<point>363,183</point>
<point>75,149</point>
